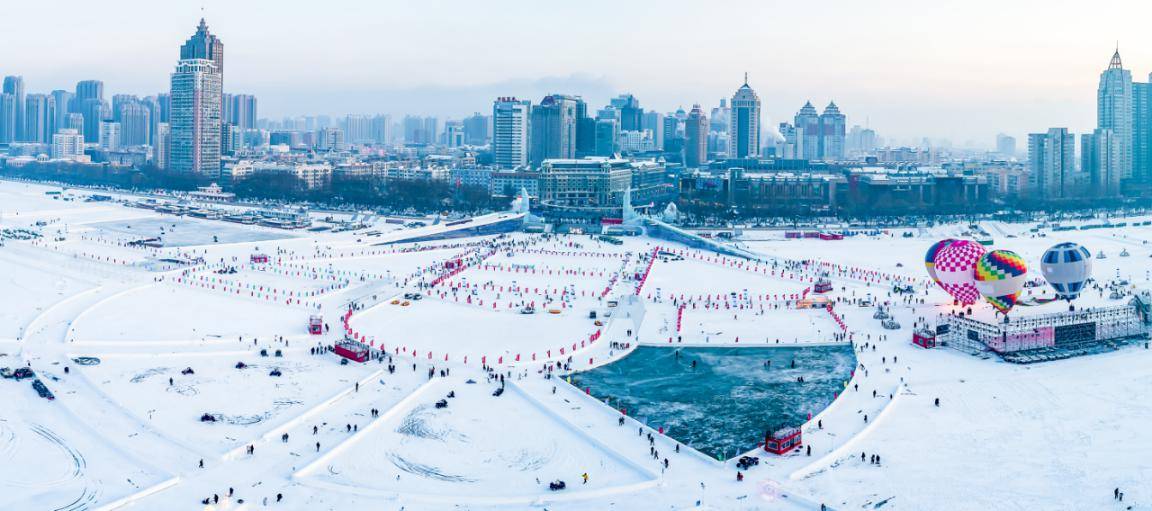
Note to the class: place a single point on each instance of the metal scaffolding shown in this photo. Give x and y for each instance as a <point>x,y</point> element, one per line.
<point>1073,330</point>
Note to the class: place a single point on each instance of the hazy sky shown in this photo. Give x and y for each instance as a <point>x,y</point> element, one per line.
<point>958,69</point>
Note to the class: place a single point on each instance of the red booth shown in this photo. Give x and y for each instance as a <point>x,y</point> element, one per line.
<point>316,325</point>
<point>924,338</point>
<point>259,258</point>
<point>352,350</point>
<point>823,285</point>
<point>782,440</point>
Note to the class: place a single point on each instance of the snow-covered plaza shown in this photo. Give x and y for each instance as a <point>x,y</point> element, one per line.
<point>184,374</point>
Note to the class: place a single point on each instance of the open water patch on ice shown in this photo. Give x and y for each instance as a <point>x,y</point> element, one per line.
<point>726,403</point>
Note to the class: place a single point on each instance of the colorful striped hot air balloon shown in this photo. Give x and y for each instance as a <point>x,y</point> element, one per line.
<point>1000,276</point>
<point>930,257</point>
<point>954,265</point>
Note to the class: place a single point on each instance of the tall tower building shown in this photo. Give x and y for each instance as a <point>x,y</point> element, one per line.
<point>1142,132</point>
<point>832,133</point>
<point>744,123</point>
<point>607,132</point>
<point>1051,163</point>
<point>1005,145</point>
<point>87,89</point>
<point>8,108</point>
<point>631,115</point>
<point>14,85</point>
<point>39,111</point>
<point>196,105</point>
<point>63,100</point>
<point>807,124</point>
<point>1099,154</point>
<point>195,126</point>
<point>695,138</point>
<point>135,124</point>
<point>162,146</point>
<point>1114,109</point>
<point>510,119</point>
<point>553,130</point>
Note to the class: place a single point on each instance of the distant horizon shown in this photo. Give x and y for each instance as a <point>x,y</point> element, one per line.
<point>899,68</point>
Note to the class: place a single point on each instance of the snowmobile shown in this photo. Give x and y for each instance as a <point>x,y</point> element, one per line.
<point>557,485</point>
<point>746,462</point>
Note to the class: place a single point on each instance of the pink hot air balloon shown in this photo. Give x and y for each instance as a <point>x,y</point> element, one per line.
<point>930,257</point>
<point>954,269</point>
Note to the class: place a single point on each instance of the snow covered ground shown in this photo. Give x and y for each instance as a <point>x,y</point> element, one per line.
<point>326,435</point>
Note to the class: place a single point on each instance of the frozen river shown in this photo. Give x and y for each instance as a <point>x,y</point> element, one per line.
<point>183,232</point>
<point>724,405</point>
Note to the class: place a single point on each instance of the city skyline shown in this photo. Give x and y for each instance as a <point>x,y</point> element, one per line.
<point>914,82</point>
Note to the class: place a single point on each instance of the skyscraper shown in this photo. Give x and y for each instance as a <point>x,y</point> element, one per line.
<point>744,123</point>
<point>14,85</point>
<point>87,89</point>
<point>420,130</point>
<point>382,129</point>
<point>476,129</point>
<point>553,129</point>
<point>1005,145</point>
<point>94,111</point>
<point>832,133</point>
<point>39,111</point>
<point>196,103</point>
<point>195,126</point>
<point>631,115</point>
<point>161,154</point>
<point>1099,157</point>
<point>1114,109</point>
<point>510,119</point>
<point>1051,163</point>
<point>695,138</point>
<point>607,134</point>
<point>135,123</point>
<point>654,122</point>
<point>110,135</point>
<point>63,100</point>
<point>1142,132</point>
<point>807,125</point>
<point>242,111</point>
<point>8,110</point>
<point>89,102</point>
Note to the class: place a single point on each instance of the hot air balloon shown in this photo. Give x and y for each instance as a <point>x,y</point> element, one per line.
<point>954,265</point>
<point>930,257</point>
<point>1066,267</point>
<point>1000,276</point>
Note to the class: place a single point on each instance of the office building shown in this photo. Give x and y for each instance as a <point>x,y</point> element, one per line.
<point>1114,109</point>
<point>68,144</point>
<point>510,132</point>
<point>553,129</point>
<point>744,123</point>
<point>14,85</point>
<point>695,138</point>
<point>1051,164</point>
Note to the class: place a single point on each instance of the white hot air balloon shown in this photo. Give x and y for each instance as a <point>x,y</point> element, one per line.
<point>1066,267</point>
